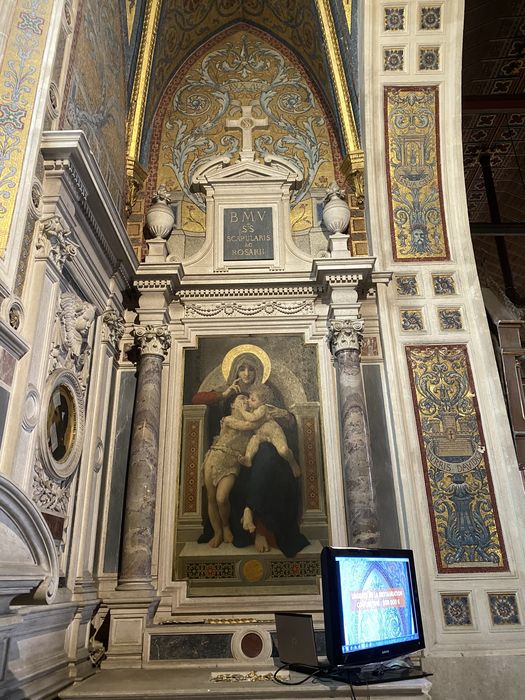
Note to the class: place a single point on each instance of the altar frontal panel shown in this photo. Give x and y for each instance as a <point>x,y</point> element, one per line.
<point>417,220</point>
<point>463,513</point>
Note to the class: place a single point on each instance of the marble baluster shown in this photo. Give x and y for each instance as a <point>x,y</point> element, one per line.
<point>139,517</point>
<point>360,502</point>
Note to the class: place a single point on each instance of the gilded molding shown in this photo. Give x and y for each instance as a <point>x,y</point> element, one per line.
<point>336,69</point>
<point>142,76</point>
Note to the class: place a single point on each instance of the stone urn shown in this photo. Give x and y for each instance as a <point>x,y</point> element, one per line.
<point>160,217</point>
<point>336,217</point>
<point>336,212</point>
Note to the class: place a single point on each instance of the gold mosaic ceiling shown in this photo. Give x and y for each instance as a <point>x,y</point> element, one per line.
<point>186,25</point>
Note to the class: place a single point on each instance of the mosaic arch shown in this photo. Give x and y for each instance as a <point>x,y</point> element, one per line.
<point>187,24</point>
<point>242,67</point>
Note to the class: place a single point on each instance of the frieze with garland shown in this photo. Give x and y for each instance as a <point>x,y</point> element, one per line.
<point>462,506</point>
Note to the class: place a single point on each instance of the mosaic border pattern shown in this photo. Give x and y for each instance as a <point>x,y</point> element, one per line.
<point>413,167</point>
<point>462,508</point>
<point>19,78</point>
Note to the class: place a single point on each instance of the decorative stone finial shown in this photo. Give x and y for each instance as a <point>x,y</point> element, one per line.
<point>336,217</point>
<point>160,217</point>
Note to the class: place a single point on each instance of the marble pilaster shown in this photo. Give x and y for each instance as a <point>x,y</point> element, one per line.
<point>360,502</point>
<point>135,569</point>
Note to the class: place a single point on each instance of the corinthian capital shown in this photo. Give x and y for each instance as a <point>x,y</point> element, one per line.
<point>152,340</point>
<point>345,334</point>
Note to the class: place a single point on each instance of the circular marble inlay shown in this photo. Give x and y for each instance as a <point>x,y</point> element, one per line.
<point>252,570</point>
<point>251,645</point>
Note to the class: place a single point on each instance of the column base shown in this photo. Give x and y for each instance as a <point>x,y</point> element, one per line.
<point>130,614</point>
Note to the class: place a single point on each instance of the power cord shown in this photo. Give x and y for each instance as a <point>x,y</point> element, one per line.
<point>316,674</point>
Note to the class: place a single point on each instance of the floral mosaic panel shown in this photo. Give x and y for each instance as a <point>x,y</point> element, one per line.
<point>456,610</point>
<point>97,94</point>
<point>19,77</point>
<point>443,285</point>
<point>199,107</point>
<point>429,58</point>
<point>411,320</point>
<point>462,508</point>
<point>184,25</point>
<point>504,609</point>
<point>393,59</point>
<point>417,220</point>
<point>450,319</point>
<point>406,286</point>
<point>394,19</point>
<point>430,18</point>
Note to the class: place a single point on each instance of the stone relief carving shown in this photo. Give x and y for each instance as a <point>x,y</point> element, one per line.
<point>112,328</point>
<point>71,344</point>
<point>233,308</point>
<point>48,494</point>
<point>55,242</point>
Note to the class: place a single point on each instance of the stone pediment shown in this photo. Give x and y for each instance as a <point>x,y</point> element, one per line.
<point>274,170</point>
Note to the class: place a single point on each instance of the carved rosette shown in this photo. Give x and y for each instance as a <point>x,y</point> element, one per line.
<point>345,334</point>
<point>152,340</point>
<point>54,240</point>
<point>112,327</point>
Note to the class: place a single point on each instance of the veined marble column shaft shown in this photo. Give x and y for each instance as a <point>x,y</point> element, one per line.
<point>139,517</point>
<point>360,502</point>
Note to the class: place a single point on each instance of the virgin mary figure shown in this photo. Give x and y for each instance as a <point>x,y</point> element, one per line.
<point>268,487</point>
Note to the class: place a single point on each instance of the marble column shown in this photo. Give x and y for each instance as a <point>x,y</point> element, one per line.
<point>360,502</point>
<point>139,518</point>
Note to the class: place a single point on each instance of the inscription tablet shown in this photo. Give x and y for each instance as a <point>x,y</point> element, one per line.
<point>248,233</point>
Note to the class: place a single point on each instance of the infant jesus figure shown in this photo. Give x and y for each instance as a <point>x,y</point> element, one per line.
<point>221,466</point>
<point>260,414</point>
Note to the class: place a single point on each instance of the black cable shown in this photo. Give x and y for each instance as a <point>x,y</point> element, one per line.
<point>315,673</point>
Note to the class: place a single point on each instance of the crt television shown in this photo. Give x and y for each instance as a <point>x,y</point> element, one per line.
<point>371,605</point>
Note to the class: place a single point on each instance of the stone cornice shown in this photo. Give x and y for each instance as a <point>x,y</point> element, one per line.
<point>67,155</point>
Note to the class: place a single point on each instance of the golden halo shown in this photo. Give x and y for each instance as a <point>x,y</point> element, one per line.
<point>234,353</point>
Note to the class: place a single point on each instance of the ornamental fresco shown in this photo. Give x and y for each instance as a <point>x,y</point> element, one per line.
<point>96,91</point>
<point>19,78</point>
<point>243,70</point>
<point>417,221</point>
<point>186,25</point>
<point>463,513</point>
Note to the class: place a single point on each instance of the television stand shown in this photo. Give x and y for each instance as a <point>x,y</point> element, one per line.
<point>373,673</point>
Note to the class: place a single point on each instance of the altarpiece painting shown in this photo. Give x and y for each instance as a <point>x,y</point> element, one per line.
<point>252,515</point>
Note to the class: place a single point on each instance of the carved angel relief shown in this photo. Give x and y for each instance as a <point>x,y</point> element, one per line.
<point>71,343</point>
<point>62,416</point>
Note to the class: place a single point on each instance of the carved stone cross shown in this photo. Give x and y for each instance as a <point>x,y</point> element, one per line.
<point>246,123</point>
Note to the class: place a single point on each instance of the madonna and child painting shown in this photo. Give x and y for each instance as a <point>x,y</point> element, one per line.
<point>251,413</point>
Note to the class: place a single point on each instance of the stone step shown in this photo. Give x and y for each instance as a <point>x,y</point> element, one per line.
<point>174,684</point>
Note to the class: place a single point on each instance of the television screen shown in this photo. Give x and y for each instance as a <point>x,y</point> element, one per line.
<point>371,605</point>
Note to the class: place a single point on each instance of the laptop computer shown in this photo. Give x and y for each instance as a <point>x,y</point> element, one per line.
<point>296,642</point>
